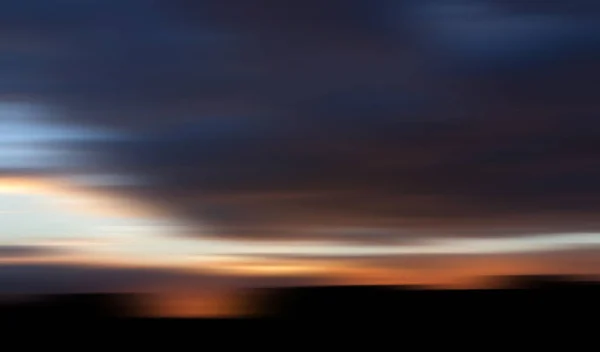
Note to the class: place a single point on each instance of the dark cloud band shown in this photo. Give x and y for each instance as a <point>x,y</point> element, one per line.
<point>320,119</point>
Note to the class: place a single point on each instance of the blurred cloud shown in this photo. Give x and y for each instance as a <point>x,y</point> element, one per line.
<point>359,121</point>
<point>26,251</point>
<point>48,278</point>
<point>507,35</point>
<point>279,271</point>
<point>429,269</point>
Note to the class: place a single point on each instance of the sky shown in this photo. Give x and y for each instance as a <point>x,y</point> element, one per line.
<point>163,145</point>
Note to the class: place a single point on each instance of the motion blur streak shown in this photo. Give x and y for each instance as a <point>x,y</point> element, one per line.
<point>204,158</point>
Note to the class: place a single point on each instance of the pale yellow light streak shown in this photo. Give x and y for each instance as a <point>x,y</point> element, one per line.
<point>78,199</point>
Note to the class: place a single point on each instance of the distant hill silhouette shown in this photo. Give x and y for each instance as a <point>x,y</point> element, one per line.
<point>546,282</point>
<point>72,306</point>
<point>524,297</point>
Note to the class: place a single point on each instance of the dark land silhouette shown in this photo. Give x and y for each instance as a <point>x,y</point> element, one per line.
<point>522,298</point>
<point>71,306</point>
<point>519,298</point>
